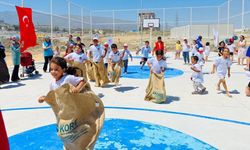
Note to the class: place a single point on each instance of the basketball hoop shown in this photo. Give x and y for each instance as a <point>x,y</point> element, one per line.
<point>151,25</point>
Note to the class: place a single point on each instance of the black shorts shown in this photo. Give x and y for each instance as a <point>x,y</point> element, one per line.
<point>231,53</point>
<point>144,59</point>
<point>248,84</point>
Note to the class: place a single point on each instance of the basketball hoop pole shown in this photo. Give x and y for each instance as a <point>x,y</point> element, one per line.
<point>150,36</point>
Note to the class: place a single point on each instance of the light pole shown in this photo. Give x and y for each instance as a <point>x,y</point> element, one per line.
<point>69,19</point>
<point>141,21</point>
<point>51,20</point>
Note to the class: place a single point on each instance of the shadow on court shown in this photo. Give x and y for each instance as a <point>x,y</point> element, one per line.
<point>171,99</point>
<point>11,85</point>
<point>124,89</point>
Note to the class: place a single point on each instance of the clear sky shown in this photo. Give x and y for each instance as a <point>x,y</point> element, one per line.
<point>119,4</point>
<point>133,4</point>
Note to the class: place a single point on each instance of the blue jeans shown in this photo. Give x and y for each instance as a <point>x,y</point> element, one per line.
<point>186,57</point>
<point>125,63</point>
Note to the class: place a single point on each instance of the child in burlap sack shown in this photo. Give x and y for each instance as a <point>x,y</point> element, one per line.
<point>79,112</point>
<point>115,64</point>
<point>156,91</point>
<point>96,50</point>
<point>78,59</point>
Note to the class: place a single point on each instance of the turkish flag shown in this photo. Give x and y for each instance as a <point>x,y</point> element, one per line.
<point>27,29</point>
<point>4,144</point>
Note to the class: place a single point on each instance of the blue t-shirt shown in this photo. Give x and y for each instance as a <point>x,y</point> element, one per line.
<point>49,51</point>
<point>145,51</point>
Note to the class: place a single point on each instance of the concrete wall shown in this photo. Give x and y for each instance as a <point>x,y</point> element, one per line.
<point>192,31</point>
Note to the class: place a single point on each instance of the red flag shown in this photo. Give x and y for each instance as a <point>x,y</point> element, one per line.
<point>27,29</point>
<point>4,144</point>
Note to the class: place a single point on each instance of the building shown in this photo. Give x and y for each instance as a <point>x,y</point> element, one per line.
<point>206,31</point>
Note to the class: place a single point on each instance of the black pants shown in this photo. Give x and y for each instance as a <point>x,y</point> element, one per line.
<point>46,62</point>
<point>125,63</point>
<point>14,76</point>
<point>106,65</point>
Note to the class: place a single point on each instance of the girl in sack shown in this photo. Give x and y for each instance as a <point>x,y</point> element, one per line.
<point>79,112</point>
<point>78,59</point>
<point>156,91</point>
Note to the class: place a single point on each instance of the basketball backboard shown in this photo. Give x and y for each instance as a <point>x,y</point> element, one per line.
<point>151,23</point>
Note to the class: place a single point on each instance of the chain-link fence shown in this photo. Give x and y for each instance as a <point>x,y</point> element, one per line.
<point>55,19</point>
<point>231,17</point>
<point>125,26</point>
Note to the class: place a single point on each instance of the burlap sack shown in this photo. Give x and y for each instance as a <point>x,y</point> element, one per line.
<point>82,67</point>
<point>90,71</point>
<point>115,73</point>
<point>80,116</point>
<point>156,91</point>
<point>100,74</point>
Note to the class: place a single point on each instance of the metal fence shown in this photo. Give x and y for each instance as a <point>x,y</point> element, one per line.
<point>55,19</point>
<point>67,17</point>
<point>119,23</point>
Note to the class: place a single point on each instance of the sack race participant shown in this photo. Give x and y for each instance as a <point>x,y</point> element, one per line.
<point>156,91</point>
<point>4,75</point>
<point>4,144</point>
<point>79,112</point>
<point>78,59</point>
<point>96,51</point>
<point>115,65</point>
<point>90,71</point>
<point>100,73</point>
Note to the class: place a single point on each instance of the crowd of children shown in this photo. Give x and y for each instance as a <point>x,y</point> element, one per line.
<point>106,63</point>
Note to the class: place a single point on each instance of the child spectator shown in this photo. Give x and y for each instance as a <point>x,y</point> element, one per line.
<point>207,50</point>
<point>178,49</point>
<point>57,52</point>
<point>232,48</point>
<point>125,54</point>
<point>185,51</point>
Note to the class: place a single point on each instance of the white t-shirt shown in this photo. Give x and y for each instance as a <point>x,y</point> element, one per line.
<point>193,50</point>
<point>65,79</point>
<point>222,65</point>
<point>157,65</point>
<point>115,57</point>
<point>207,50</point>
<point>248,75</point>
<point>185,47</point>
<point>77,57</point>
<point>106,58</point>
<point>231,48</point>
<point>197,76</point>
<point>97,52</point>
<point>145,51</point>
<point>126,54</point>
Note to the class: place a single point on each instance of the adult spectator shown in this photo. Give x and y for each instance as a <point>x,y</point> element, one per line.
<point>47,52</point>
<point>4,75</point>
<point>15,51</point>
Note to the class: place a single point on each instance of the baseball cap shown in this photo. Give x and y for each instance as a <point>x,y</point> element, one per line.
<point>106,44</point>
<point>95,38</point>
